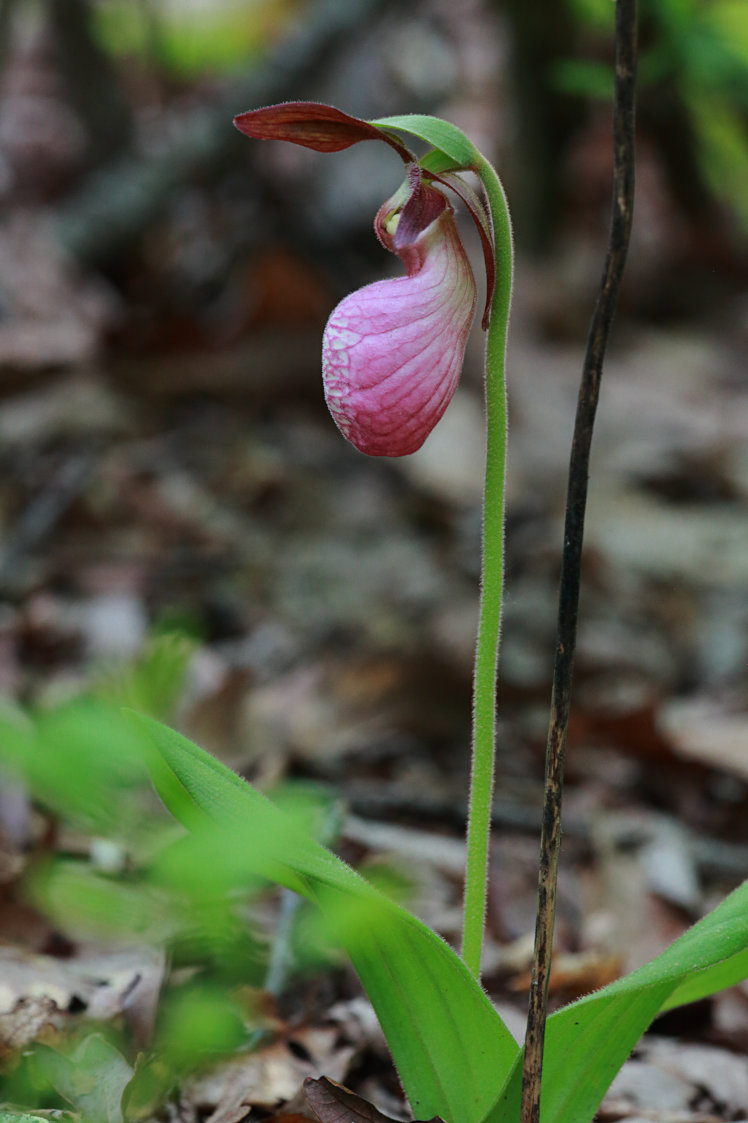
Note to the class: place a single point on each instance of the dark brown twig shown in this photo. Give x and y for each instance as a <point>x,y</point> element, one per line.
<point>576,500</point>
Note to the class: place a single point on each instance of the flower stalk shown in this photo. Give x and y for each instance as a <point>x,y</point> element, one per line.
<point>392,354</point>
<point>485,672</point>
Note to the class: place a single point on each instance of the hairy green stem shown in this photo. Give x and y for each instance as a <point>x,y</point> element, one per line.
<point>492,581</point>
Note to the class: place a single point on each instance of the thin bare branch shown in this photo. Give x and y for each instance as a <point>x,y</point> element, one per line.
<point>576,501</point>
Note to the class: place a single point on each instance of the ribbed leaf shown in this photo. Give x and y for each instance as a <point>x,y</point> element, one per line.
<point>588,1041</point>
<point>452,1050</point>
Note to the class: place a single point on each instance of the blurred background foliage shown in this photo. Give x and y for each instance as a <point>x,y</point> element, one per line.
<point>120,873</point>
<point>194,37</point>
<point>692,94</point>
<point>693,75</point>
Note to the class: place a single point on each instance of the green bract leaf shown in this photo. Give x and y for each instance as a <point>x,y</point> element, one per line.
<point>438,162</point>
<point>451,1048</point>
<point>588,1041</point>
<point>450,141</point>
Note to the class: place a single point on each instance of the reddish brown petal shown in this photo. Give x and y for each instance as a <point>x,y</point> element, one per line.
<point>416,205</point>
<point>423,207</point>
<point>314,125</point>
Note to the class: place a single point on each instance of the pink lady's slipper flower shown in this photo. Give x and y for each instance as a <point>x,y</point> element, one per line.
<point>392,351</point>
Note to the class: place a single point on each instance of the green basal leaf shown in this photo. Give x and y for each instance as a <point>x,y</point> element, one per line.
<point>58,753</point>
<point>588,1041</point>
<point>711,981</point>
<point>82,902</point>
<point>451,1048</point>
<point>152,684</point>
<point>451,142</point>
<point>93,1078</point>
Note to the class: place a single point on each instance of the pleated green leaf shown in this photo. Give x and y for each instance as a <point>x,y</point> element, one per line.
<point>451,1048</point>
<point>588,1041</point>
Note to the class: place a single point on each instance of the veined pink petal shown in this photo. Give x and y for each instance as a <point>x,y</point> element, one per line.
<point>393,351</point>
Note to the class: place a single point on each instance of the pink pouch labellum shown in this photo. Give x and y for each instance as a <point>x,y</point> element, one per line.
<point>393,351</point>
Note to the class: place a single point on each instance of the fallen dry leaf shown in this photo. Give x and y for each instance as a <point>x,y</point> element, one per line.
<point>26,1021</point>
<point>573,975</point>
<point>675,1080</point>
<point>700,729</point>
<point>334,1103</point>
<point>39,989</point>
<point>271,1076</point>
